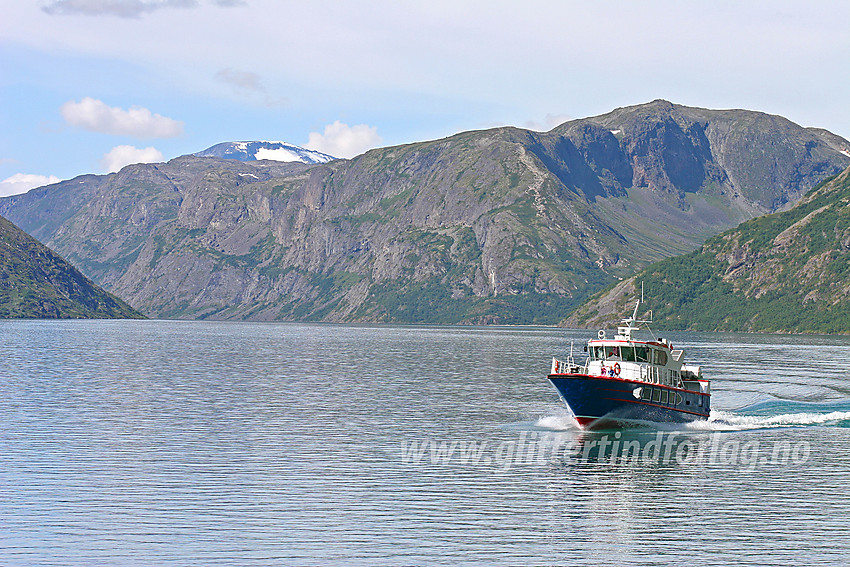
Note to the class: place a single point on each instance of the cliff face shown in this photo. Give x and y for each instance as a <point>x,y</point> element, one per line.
<point>36,283</point>
<point>787,271</point>
<point>502,225</point>
<point>767,160</point>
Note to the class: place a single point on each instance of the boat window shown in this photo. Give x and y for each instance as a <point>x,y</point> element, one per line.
<point>646,394</point>
<point>664,397</point>
<point>656,395</point>
<point>659,357</point>
<point>628,353</point>
<point>597,353</point>
<point>641,354</point>
<point>612,353</point>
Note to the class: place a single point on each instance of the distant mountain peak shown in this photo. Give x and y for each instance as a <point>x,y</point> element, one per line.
<point>259,150</point>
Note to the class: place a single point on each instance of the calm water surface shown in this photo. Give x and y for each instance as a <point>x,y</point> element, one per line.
<point>194,443</point>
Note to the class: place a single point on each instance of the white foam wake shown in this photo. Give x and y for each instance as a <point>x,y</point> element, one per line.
<point>721,420</point>
<point>717,421</point>
<point>558,422</point>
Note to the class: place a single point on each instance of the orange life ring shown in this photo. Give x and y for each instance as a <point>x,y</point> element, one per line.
<point>616,369</point>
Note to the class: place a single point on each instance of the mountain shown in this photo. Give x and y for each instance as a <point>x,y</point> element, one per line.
<point>785,272</point>
<point>495,226</point>
<point>275,151</point>
<point>37,283</point>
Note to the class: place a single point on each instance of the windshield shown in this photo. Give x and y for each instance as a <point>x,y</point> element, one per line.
<point>611,352</point>
<point>628,354</point>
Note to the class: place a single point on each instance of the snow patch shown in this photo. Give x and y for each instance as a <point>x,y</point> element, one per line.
<point>266,150</point>
<point>615,132</point>
<point>845,152</point>
<point>277,154</point>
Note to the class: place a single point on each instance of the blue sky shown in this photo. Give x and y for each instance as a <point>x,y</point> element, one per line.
<point>89,85</point>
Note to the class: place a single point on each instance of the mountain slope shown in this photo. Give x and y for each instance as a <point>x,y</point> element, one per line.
<point>501,226</point>
<point>788,272</point>
<point>36,283</point>
<point>275,151</point>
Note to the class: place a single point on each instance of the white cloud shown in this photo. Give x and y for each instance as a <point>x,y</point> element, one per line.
<point>549,122</point>
<point>123,8</point>
<point>342,140</point>
<point>246,82</point>
<point>119,156</point>
<point>240,79</point>
<point>97,116</point>
<point>23,182</point>
<point>452,67</point>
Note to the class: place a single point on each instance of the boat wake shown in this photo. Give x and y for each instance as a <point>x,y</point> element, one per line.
<point>826,415</point>
<point>765,415</point>
<point>558,422</point>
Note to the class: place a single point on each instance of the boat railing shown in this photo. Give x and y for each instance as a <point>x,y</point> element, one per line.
<point>561,367</point>
<point>651,374</point>
<point>645,372</point>
<point>663,376</point>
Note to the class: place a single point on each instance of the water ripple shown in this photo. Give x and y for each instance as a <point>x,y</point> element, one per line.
<point>192,443</point>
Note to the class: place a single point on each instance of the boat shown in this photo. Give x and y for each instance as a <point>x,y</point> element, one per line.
<point>627,380</point>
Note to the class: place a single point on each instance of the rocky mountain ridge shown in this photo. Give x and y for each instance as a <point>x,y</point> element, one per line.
<point>494,226</point>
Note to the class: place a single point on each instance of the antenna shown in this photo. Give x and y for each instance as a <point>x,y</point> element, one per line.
<point>648,315</point>
<point>633,323</point>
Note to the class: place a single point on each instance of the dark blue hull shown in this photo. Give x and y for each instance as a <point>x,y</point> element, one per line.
<point>593,398</point>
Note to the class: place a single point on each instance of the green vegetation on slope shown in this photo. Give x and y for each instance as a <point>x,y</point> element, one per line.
<point>785,272</point>
<point>36,283</point>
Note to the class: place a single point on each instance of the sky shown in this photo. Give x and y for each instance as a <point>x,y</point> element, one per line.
<point>88,86</point>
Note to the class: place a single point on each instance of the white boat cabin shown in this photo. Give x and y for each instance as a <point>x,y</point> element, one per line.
<point>652,362</point>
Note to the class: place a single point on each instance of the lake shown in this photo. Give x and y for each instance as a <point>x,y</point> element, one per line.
<point>213,443</point>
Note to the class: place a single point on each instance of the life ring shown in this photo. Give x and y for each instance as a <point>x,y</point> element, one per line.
<point>616,369</point>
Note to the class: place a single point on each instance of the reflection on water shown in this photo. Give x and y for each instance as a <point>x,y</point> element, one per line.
<point>189,443</point>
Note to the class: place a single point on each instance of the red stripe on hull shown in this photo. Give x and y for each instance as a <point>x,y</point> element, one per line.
<point>630,381</point>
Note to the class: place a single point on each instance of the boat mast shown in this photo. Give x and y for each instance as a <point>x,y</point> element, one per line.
<point>625,331</point>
